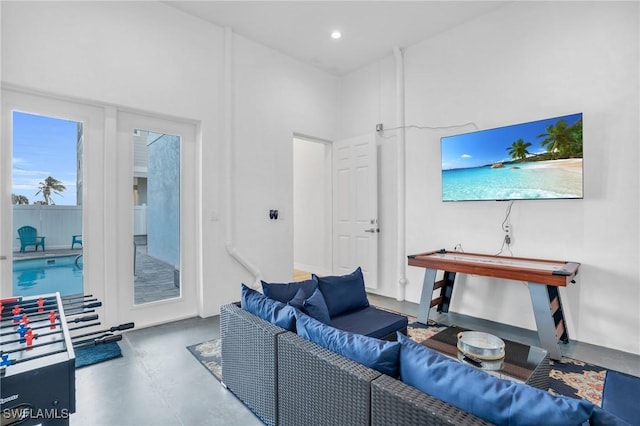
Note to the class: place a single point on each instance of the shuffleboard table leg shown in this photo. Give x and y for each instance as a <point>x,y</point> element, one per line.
<point>427,295</point>
<point>544,320</point>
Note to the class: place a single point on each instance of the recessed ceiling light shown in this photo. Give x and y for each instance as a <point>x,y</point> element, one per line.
<point>336,35</point>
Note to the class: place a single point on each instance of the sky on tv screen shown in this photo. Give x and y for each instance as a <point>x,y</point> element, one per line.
<point>490,146</point>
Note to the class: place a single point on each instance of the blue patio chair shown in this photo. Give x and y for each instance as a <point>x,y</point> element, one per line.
<point>76,239</point>
<point>28,236</point>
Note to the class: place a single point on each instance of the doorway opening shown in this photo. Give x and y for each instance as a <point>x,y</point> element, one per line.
<point>312,207</point>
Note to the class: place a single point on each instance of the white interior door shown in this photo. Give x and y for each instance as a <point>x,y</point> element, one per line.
<point>355,207</point>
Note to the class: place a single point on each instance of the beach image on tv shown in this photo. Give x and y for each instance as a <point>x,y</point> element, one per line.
<point>536,160</point>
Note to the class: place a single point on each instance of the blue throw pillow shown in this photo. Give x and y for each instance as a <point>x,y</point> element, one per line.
<point>270,310</point>
<point>380,355</point>
<point>283,292</point>
<point>498,401</point>
<point>298,300</point>
<point>313,305</point>
<point>343,293</point>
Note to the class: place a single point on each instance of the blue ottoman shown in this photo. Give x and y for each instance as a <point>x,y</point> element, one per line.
<point>620,396</point>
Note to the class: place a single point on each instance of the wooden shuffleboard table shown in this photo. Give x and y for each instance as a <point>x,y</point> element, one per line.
<point>543,278</point>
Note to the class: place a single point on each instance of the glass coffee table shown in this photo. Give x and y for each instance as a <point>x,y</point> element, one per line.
<point>522,363</point>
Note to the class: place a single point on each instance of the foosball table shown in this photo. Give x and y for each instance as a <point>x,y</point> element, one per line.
<point>37,358</point>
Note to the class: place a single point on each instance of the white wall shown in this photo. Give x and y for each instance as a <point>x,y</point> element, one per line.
<point>275,97</point>
<point>150,57</point>
<point>523,62</point>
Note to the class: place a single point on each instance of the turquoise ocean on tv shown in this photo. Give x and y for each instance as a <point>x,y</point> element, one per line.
<point>533,180</point>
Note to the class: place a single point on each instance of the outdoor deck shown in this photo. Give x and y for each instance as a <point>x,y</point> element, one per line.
<point>154,279</point>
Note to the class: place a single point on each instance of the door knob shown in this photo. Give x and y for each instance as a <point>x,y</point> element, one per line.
<point>372,230</point>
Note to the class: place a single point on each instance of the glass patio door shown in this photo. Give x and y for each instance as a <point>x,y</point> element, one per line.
<point>156,220</point>
<point>43,175</point>
<point>46,199</point>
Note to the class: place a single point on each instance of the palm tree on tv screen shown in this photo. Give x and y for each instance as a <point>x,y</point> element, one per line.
<point>575,147</point>
<point>562,140</point>
<point>49,186</point>
<point>518,149</point>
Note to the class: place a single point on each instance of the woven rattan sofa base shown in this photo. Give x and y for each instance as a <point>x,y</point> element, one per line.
<point>398,404</point>
<point>287,380</point>
<point>249,360</point>
<point>320,387</point>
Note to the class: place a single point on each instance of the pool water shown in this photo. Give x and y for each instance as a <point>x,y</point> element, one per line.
<point>32,277</point>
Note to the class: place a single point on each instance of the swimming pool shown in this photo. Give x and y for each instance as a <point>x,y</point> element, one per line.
<point>32,277</point>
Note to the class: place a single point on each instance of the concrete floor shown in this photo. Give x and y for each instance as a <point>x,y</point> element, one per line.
<point>159,382</point>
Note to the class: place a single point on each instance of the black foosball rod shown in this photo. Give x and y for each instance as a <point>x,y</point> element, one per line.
<point>37,345</point>
<point>38,311</point>
<point>104,333</point>
<point>5,361</point>
<point>58,331</point>
<point>42,303</point>
<point>55,324</point>
<point>38,316</point>
<point>99,341</point>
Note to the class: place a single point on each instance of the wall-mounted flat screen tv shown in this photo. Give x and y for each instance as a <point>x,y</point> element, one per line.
<point>535,160</point>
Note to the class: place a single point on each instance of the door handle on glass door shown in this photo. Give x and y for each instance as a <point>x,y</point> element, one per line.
<point>372,230</point>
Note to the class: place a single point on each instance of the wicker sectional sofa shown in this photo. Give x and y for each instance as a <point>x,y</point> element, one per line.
<point>287,380</point>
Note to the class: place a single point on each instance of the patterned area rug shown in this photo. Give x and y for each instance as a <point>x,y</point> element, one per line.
<point>578,379</point>
<point>568,377</point>
<point>209,355</point>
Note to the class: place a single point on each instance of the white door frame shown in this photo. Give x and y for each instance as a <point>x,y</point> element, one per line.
<point>92,118</point>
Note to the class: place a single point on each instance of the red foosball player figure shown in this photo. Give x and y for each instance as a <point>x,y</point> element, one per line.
<point>52,320</point>
<point>24,320</point>
<point>40,305</point>
<point>29,338</point>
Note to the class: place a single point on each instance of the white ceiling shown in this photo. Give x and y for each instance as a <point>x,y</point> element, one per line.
<point>370,29</point>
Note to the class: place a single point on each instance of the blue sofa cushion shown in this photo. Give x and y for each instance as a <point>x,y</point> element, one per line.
<point>601,417</point>
<point>620,396</point>
<point>313,305</point>
<point>498,401</point>
<point>343,293</point>
<point>371,322</point>
<point>373,353</point>
<point>283,292</point>
<point>270,310</point>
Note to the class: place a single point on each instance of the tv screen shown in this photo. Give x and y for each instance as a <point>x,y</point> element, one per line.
<point>535,160</point>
